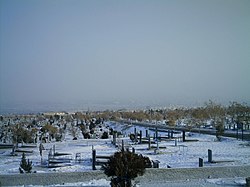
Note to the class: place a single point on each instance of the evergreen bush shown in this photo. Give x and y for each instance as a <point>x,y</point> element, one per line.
<point>25,166</point>
<point>124,166</point>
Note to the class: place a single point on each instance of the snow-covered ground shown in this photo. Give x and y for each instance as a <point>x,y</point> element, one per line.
<point>228,152</point>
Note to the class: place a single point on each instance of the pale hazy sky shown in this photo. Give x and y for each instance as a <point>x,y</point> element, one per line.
<point>91,52</point>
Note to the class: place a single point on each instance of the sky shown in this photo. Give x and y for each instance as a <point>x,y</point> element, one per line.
<point>85,53</point>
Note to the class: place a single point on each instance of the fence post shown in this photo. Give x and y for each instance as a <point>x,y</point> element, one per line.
<point>54,149</point>
<point>175,142</point>
<point>168,134</point>
<point>242,136</point>
<point>94,159</point>
<point>114,138</point>
<point>209,156</point>
<point>140,136</point>
<point>122,145</point>
<point>135,132</point>
<point>149,142</point>
<point>146,133</point>
<point>200,162</point>
<point>156,133</point>
<point>133,150</point>
<point>183,136</point>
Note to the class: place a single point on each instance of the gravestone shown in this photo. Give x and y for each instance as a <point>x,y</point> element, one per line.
<point>209,156</point>
<point>200,162</point>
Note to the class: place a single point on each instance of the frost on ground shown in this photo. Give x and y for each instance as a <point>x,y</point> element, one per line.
<point>227,182</point>
<point>97,183</point>
<point>228,152</point>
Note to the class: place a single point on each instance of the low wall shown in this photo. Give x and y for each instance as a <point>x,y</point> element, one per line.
<point>172,174</point>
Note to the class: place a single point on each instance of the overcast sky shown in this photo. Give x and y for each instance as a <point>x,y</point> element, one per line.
<point>82,52</point>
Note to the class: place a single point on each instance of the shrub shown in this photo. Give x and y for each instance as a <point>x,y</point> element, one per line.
<point>24,165</point>
<point>124,166</point>
<point>105,135</point>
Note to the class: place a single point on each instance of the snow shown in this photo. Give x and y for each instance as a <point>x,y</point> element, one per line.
<point>100,182</point>
<point>228,152</point>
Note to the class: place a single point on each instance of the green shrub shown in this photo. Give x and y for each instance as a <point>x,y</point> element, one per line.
<point>25,166</point>
<point>124,166</point>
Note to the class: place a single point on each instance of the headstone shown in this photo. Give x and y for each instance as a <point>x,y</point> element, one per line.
<point>248,182</point>
<point>200,162</point>
<point>209,156</point>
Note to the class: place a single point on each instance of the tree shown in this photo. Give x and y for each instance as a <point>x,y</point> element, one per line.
<point>124,166</point>
<point>217,114</point>
<point>25,166</point>
<point>49,129</point>
<point>20,134</point>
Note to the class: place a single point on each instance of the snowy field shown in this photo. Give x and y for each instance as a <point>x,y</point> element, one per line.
<point>228,152</point>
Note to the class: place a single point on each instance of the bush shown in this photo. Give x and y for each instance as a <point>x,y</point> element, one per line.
<point>86,135</point>
<point>105,135</point>
<point>24,165</point>
<point>219,130</point>
<point>132,137</point>
<point>124,166</point>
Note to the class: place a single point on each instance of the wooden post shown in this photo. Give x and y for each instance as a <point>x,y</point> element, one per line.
<point>146,133</point>
<point>237,133</point>
<point>149,142</point>
<point>94,159</point>
<point>242,136</point>
<point>54,149</point>
<point>183,136</point>
<point>135,134</point>
<point>209,156</point>
<point>200,162</point>
<point>122,145</point>
<point>140,136</point>
<point>168,134</point>
<point>175,142</point>
<point>172,134</point>
<point>156,133</point>
<point>114,138</point>
<point>133,150</point>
